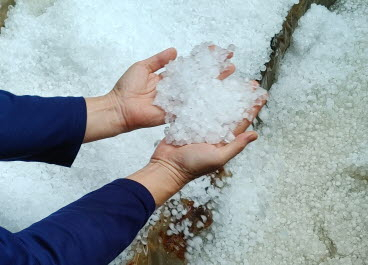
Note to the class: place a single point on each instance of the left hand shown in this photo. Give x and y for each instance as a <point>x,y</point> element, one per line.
<point>128,106</point>
<point>136,89</point>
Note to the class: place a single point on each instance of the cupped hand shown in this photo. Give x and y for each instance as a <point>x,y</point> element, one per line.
<point>136,89</point>
<point>191,161</point>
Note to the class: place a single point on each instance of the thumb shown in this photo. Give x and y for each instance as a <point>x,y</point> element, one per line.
<point>160,59</point>
<point>235,147</point>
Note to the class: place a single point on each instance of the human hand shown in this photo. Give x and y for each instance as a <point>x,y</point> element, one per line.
<point>172,167</point>
<point>136,90</point>
<point>128,106</point>
<point>194,160</point>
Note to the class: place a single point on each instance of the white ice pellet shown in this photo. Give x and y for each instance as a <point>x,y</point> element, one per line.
<point>199,224</point>
<point>204,218</point>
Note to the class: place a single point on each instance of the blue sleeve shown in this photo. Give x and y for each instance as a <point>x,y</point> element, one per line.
<point>92,230</point>
<point>41,129</point>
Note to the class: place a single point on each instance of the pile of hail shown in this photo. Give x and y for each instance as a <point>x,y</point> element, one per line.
<point>199,106</point>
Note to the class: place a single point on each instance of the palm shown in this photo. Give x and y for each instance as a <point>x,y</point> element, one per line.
<point>136,91</point>
<point>188,160</point>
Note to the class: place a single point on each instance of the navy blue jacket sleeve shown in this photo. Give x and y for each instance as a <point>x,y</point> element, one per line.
<point>41,129</point>
<point>92,230</point>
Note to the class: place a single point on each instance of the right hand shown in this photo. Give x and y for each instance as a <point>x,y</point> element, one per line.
<point>194,160</point>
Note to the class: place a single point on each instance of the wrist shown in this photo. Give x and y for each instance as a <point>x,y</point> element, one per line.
<point>161,181</point>
<point>118,119</point>
<point>103,119</point>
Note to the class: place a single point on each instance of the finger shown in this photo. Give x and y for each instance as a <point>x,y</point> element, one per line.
<point>162,75</point>
<point>156,62</point>
<point>227,72</point>
<point>242,127</point>
<point>235,147</point>
<point>254,84</point>
<point>229,55</point>
<point>245,123</point>
<point>152,83</point>
<point>152,76</point>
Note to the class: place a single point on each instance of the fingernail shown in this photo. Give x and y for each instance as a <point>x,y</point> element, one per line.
<point>251,137</point>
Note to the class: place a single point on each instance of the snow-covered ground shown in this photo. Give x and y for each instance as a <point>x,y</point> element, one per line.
<point>298,194</point>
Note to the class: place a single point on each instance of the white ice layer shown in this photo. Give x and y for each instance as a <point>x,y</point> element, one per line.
<point>199,107</point>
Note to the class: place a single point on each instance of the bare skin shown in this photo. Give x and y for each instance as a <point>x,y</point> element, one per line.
<point>129,107</point>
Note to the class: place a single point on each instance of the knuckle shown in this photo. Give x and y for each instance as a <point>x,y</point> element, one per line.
<point>139,64</point>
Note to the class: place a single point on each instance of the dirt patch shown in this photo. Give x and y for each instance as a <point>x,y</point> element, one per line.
<point>4,7</point>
